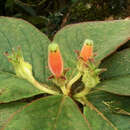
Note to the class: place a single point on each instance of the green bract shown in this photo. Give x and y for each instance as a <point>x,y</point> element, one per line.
<point>90,79</point>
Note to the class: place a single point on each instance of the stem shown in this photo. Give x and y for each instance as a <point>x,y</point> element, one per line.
<point>82,100</point>
<point>73,80</point>
<point>61,84</point>
<point>63,88</point>
<point>82,93</point>
<point>43,87</point>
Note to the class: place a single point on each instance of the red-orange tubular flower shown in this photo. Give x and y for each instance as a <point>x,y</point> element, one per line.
<point>55,61</point>
<point>87,50</point>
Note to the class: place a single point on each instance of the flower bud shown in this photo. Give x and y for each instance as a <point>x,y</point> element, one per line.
<point>55,61</point>
<point>87,50</point>
<point>22,69</point>
<point>90,79</point>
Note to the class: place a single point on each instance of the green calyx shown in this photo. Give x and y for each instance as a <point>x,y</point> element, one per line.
<point>22,69</point>
<point>90,79</point>
<point>91,75</point>
<point>53,47</point>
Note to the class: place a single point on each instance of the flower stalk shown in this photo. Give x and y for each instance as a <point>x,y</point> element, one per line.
<point>72,81</point>
<point>44,88</point>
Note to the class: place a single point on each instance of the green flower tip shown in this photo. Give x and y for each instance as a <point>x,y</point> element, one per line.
<point>88,42</point>
<point>53,47</point>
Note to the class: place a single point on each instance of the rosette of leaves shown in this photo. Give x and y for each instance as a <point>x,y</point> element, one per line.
<point>107,106</point>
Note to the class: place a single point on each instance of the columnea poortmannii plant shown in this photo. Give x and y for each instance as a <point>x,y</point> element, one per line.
<point>79,81</point>
<point>87,70</point>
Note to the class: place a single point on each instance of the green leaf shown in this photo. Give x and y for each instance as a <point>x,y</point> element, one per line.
<point>6,111</point>
<point>107,37</point>
<point>119,85</point>
<point>34,44</point>
<point>117,76</point>
<point>108,105</point>
<point>12,88</point>
<point>50,113</point>
<point>117,64</point>
<point>96,119</point>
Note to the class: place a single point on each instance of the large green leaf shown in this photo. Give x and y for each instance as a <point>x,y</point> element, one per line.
<point>16,32</point>
<point>112,108</point>
<point>96,119</point>
<point>6,111</point>
<point>107,37</point>
<point>117,76</point>
<point>119,85</point>
<point>12,88</point>
<point>50,113</point>
<point>117,64</point>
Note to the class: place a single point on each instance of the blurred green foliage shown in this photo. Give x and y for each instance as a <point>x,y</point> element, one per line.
<point>51,15</point>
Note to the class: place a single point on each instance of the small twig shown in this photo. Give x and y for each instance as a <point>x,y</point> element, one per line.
<point>65,20</point>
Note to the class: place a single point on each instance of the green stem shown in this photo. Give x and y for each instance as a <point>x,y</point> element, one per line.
<point>63,88</point>
<point>61,85</point>
<point>82,100</point>
<point>72,81</point>
<point>82,93</point>
<point>43,87</point>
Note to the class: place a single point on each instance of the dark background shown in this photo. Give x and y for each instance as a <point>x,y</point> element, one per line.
<point>51,15</point>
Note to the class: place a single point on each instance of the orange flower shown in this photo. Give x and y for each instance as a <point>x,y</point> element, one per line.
<point>87,50</point>
<point>55,61</point>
